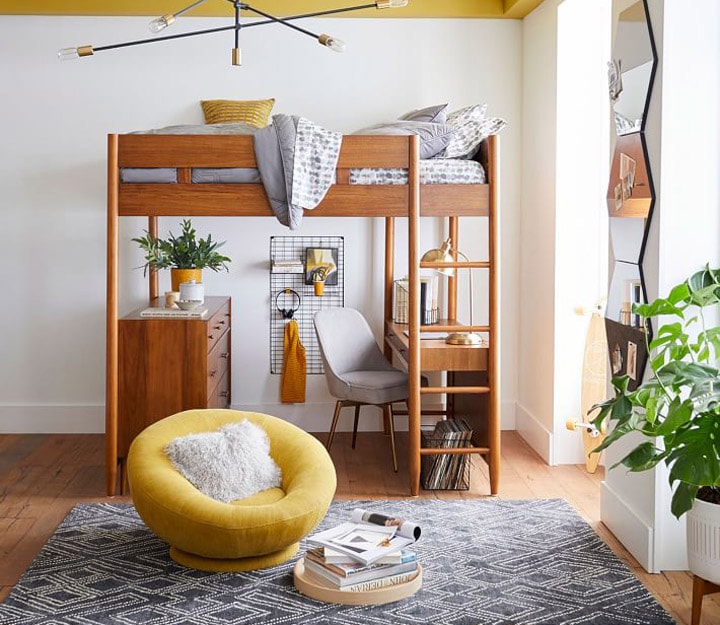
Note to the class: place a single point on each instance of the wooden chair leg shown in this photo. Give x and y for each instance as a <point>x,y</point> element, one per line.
<point>355,425</point>
<point>336,416</point>
<point>389,419</point>
<point>701,587</point>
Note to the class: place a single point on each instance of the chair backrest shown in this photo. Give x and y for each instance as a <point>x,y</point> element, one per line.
<point>347,343</point>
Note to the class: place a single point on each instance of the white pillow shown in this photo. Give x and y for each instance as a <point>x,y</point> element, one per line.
<point>433,137</point>
<point>231,463</point>
<point>471,128</point>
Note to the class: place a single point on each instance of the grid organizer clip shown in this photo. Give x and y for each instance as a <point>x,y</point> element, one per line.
<point>285,252</point>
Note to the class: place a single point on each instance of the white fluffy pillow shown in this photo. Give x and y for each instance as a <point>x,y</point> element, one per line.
<point>232,463</point>
<point>471,128</point>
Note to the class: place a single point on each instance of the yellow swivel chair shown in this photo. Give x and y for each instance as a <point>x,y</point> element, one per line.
<point>253,533</point>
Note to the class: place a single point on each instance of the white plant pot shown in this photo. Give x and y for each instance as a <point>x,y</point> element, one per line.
<point>703,540</point>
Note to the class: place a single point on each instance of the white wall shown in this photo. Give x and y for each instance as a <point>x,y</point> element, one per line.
<point>52,183</point>
<point>563,224</point>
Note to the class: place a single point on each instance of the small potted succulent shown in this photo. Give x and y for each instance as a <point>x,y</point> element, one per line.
<point>676,410</point>
<point>185,255</point>
<point>319,275</point>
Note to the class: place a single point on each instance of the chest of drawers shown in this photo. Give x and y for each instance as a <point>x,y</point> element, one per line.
<point>167,365</point>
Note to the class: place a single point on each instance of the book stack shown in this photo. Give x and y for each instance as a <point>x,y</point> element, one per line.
<point>447,471</point>
<point>368,553</point>
<point>175,313</point>
<point>429,307</point>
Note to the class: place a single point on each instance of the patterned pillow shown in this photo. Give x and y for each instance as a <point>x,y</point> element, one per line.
<point>471,127</point>
<point>435,114</point>
<point>434,138</point>
<point>253,112</point>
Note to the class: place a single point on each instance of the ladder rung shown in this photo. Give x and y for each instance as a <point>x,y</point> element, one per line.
<point>454,390</point>
<point>436,451</point>
<point>454,328</point>
<point>458,264</point>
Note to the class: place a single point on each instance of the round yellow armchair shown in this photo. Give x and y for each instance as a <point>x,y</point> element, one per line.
<point>253,533</point>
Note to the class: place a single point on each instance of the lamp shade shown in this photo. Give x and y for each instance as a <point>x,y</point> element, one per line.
<point>440,254</point>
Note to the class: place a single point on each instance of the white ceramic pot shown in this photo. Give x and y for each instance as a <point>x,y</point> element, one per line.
<point>703,540</point>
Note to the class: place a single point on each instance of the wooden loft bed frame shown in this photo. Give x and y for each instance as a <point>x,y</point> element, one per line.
<point>412,200</point>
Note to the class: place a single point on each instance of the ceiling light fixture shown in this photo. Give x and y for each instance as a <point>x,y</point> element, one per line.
<point>161,23</point>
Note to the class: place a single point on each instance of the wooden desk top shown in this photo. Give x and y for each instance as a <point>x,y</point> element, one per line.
<point>435,354</point>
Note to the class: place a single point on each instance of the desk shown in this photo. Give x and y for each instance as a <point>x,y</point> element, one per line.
<point>468,392</point>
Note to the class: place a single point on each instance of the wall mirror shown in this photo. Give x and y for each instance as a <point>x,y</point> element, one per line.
<point>630,192</point>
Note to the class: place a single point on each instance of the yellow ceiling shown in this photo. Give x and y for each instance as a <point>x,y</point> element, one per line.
<point>514,9</point>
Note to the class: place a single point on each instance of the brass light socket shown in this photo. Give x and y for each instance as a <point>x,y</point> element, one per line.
<point>85,51</point>
<point>323,39</point>
<point>236,56</point>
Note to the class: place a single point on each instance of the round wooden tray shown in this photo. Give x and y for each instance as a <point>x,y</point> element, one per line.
<point>312,587</point>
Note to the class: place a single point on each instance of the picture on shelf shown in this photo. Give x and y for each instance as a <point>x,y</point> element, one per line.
<point>321,264</point>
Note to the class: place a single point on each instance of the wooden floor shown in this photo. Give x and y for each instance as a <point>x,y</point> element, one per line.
<point>43,476</point>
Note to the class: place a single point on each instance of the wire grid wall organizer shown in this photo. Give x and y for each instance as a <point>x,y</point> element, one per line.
<point>287,276</point>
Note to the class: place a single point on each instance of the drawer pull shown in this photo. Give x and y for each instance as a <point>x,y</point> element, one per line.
<point>225,355</point>
<point>213,372</point>
<point>218,327</point>
<point>224,393</point>
<point>221,322</point>
<point>211,337</point>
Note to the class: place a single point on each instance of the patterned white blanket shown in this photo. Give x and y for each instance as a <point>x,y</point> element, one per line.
<point>297,160</point>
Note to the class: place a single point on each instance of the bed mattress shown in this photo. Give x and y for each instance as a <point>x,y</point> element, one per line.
<point>432,171</point>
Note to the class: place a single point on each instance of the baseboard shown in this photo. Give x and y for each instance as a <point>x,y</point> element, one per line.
<point>534,434</point>
<point>52,419</point>
<point>634,533</point>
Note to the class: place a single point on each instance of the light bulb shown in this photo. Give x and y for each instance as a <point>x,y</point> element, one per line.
<point>68,54</point>
<point>161,23</point>
<point>338,45</point>
<point>391,4</point>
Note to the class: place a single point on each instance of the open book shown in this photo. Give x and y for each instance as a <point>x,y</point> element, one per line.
<point>368,536</point>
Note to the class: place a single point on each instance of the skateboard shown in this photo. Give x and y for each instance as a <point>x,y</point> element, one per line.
<point>594,389</point>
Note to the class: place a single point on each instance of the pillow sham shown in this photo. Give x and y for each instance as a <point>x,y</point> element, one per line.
<point>433,137</point>
<point>253,112</point>
<point>471,128</point>
<point>231,463</point>
<point>435,114</point>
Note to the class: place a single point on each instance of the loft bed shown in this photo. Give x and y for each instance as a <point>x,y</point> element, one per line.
<point>186,153</point>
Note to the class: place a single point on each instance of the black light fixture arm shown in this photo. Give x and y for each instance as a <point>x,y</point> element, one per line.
<point>166,20</point>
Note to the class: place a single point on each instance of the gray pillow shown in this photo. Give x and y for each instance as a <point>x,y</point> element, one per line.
<point>471,128</point>
<point>231,463</point>
<point>435,114</point>
<point>434,138</point>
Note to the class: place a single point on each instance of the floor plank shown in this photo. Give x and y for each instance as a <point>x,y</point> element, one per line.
<point>43,476</point>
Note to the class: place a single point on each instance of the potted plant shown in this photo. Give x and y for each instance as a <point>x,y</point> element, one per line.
<point>677,410</point>
<point>319,275</point>
<point>185,255</point>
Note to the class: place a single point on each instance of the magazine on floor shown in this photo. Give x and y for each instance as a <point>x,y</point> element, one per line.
<point>368,536</point>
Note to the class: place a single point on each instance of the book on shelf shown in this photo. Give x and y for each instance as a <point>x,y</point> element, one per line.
<point>195,313</point>
<point>381,581</point>
<point>287,266</point>
<point>368,536</point>
<point>342,575</point>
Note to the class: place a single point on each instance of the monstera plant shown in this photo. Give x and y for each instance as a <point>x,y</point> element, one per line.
<point>676,410</point>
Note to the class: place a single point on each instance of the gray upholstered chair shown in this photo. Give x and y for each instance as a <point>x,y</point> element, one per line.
<point>356,371</point>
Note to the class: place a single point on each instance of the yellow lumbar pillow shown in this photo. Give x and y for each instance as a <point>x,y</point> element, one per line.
<point>254,112</point>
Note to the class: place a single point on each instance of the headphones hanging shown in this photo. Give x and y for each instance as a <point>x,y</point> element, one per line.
<point>288,313</point>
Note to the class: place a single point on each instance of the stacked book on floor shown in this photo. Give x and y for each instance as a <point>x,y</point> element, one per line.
<point>368,553</point>
<point>447,471</point>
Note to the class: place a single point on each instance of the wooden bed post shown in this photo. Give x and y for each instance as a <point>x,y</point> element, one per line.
<point>153,288</point>
<point>389,278</point>
<point>453,229</point>
<point>111,330</point>
<point>494,321</point>
<point>414,316</point>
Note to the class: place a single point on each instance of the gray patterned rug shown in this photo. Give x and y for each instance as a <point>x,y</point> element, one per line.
<point>488,562</point>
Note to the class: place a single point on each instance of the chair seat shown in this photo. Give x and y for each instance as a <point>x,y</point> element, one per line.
<point>376,387</point>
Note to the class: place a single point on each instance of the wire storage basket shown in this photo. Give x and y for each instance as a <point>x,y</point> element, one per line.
<point>446,471</point>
